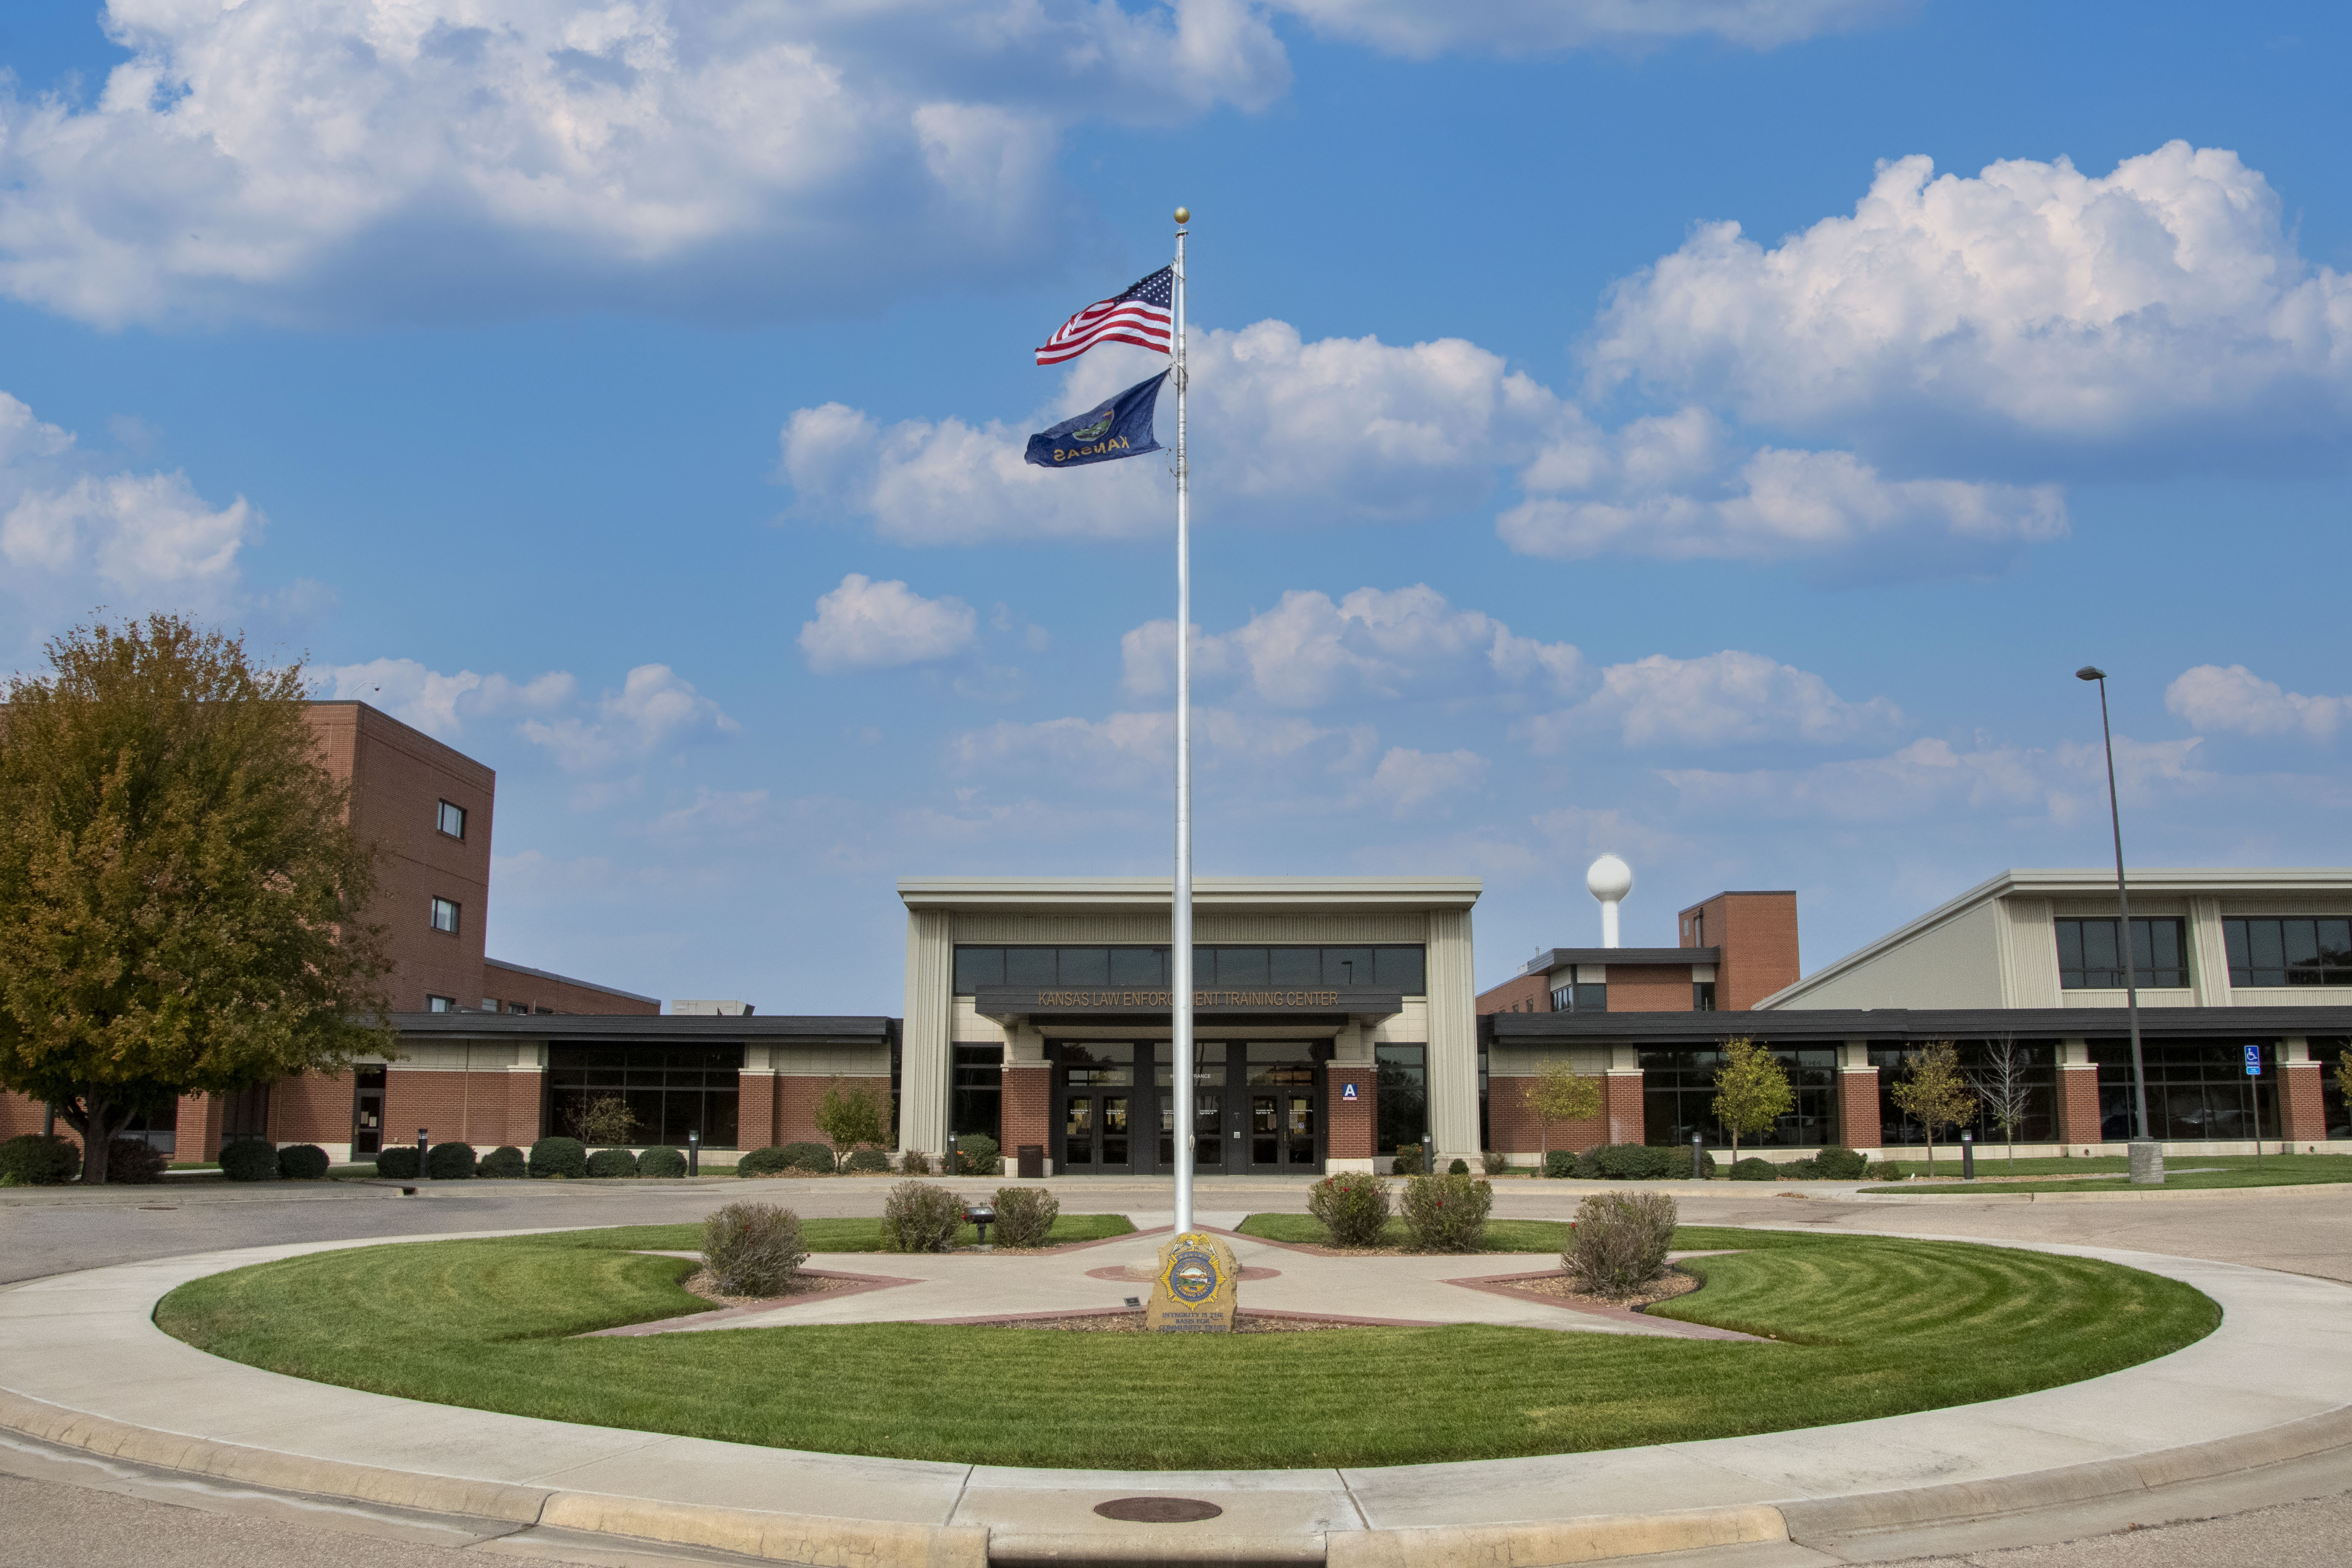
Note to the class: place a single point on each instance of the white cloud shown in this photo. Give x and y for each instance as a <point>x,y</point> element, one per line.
<point>1407,781</point>
<point>1931,778</point>
<point>440,704</point>
<point>1418,30</point>
<point>653,710</point>
<point>1308,651</point>
<point>2238,702</point>
<point>345,159</point>
<point>1725,699</point>
<point>2163,302</point>
<point>865,625</point>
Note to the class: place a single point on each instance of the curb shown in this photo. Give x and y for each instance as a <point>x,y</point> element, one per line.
<point>2179,1194</point>
<point>1593,1540</point>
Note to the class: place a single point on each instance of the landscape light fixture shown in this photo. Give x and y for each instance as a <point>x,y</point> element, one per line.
<point>2146,1154</point>
<point>422,1148</point>
<point>981,1216</point>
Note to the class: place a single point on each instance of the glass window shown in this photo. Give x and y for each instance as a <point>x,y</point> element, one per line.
<point>976,1103</point>
<point>1678,1098</point>
<point>440,1004</point>
<point>1348,966</point>
<point>1282,1061</point>
<point>2034,1076</point>
<point>1584,996</point>
<point>2289,951</point>
<point>1400,969</point>
<point>1086,966</point>
<point>452,820</point>
<point>445,915</point>
<point>1208,1065</point>
<point>2329,1054</point>
<point>519,1008</point>
<point>1138,968</point>
<point>1702,995</point>
<point>1240,966</point>
<point>2196,1089</point>
<point>1108,1064</point>
<point>1029,966</point>
<point>978,966</point>
<point>1299,966</point>
<point>1401,1094</point>
<point>670,1090</point>
<point>2090,959</point>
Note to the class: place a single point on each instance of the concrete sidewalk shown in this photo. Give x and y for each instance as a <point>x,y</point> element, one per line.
<point>82,1363</point>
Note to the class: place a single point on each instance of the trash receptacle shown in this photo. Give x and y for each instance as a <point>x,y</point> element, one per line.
<point>1031,1162</point>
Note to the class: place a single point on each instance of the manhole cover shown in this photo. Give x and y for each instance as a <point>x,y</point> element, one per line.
<point>1158,1510</point>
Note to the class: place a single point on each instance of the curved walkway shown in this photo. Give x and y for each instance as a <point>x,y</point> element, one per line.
<point>82,1363</point>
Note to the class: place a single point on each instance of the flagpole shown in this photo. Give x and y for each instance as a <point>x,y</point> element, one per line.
<point>1180,911</point>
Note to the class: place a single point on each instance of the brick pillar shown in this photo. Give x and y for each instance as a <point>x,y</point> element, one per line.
<point>1858,1121</point>
<point>755,1109</point>
<point>1355,1123</point>
<point>2078,1105</point>
<point>1621,1107</point>
<point>525,1094</point>
<point>1026,1111</point>
<point>2300,1102</point>
<point>198,1136</point>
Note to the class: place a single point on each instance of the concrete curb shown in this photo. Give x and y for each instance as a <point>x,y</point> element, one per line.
<point>2180,1194</point>
<point>1597,1539</point>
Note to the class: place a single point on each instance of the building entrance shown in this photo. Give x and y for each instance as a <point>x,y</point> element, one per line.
<point>1258,1107</point>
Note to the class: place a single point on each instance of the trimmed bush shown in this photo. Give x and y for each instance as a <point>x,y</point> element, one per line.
<point>1805,1170</point>
<point>606,1164</point>
<point>1352,1208</point>
<point>450,1162</point>
<point>1560,1162</point>
<point>1840,1164</point>
<point>1752,1169</point>
<point>661,1160</point>
<point>1460,1167</point>
<point>1633,1163</point>
<point>397,1164</point>
<point>302,1162</point>
<point>1407,1162</point>
<point>1025,1215</point>
<point>246,1159</point>
<point>752,1249</point>
<point>1619,1240</point>
<point>766,1162</point>
<point>40,1160</point>
<point>869,1163</point>
<point>1495,1161</point>
<point>808,1158</point>
<point>920,1218</point>
<point>135,1163</point>
<point>557,1157</point>
<point>914,1163</point>
<point>977,1155</point>
<point>1447,1213</point>
<point>505,1162</point>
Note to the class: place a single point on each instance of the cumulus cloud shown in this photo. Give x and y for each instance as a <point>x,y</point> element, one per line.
<point>1725,699</point>
<point>865,625</point>
<point>1407,781</point>
<point>2236,701</point>
<point>1931,777</point>
<point>1419,30</point>
<point>1309,651</point>
<point>654,709</point>
<point>441,704</point>
<point>2031,304</point>
<point>340,159</point>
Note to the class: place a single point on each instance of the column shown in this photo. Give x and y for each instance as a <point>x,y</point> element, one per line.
<point>2078,1096</point>
<point>1621,1098</point>
<point>1027,1110</point>
<point>2300,1084</point>
<point>1452,1037</point>
<point>756,1104</point>
<point>1859,1125</point>
<point>925,1057</point>
<point>1354,1134</point>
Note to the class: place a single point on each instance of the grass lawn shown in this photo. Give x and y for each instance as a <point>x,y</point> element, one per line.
<point>2276,1171</point>
<point>1866,1326</point>
<point>1990,1161</point>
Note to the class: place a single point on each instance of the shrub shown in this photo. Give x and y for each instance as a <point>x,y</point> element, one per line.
<point>920,1218</point>
<point>1353,1209</point>
<point>557,1157</point>
<point>1025,1215</point>
<point>766,1162</point>
<point>977,1155</point>
<point>1408,1160</point>
<point>506,1163</point>
<point>870,1161</point>
<point>1560,1162</point>
<point>134,1161</point>
<point>246,1159</point>
<point>610,1162</point>
<point>40,1160</point>
<point>1447,1213</point>
<point>1619,1241</point>
<point>302,1162</point>
<point>1805,1170</point>
<point>1495,1161</point>
<point>1752,1169</point>
<point>397,1164</point>
<point>914,1163</point>
<point>450,1162</point>
<point>808,1158</point>
<point>1460,1167</point>
<point>1840,1164</point>
<point>661,1160</point>
<point>753,1249</point>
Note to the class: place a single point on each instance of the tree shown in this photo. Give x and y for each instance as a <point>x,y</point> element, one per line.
<point>849,1115</point>
<point>1558,1094</point>
<point>2003,1081</point>
<point>1751,1090</point>
<point>1932,1089</point>
<point>607,1119</point>
<point>2344,1074</point>
<point>180,884</point>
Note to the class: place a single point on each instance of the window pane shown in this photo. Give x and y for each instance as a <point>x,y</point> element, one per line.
<point>1400,969</point>
<point>2233,937</point>
<point>1240,966</point>
<point>2265,947</point>
<point>2099,955</point>
<point>978,966</point>
<point>1029,966</point>
<point>1086,966</point>
<point>2300,941</point>
<point>1205,965</point>
<point>1348,966</point>
<point>2335,942</point>
<point>1295,967</point>
<point>2070,952</point>
<point>1142,967</point>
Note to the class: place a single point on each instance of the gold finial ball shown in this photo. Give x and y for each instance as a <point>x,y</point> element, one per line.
<point>1183,215</point>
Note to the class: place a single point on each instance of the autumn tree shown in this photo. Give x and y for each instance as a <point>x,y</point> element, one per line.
<point>1751,1090</point>
<point>1559,1094</point>
<point>2003,1082</point>
<point>1933,1091</point>
<point>849,1115</point>
<point>179,885</point>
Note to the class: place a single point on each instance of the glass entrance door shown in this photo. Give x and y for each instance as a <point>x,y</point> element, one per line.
<point>1094,1094</point>
<point>1284,1092</point>
<point>1208,1105</point>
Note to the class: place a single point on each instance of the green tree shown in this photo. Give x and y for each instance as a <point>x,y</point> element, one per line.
<point>849,1115</point>
<point>1751,1090</point>
<point>2344,1074</point>
<point>180,884</point>
<point>1933,1089</point>
<point>1559,1094</point>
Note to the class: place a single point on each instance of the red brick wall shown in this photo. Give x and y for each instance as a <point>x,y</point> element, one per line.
<point>755,1110</point>
<point>507,985</point>
<point>2078,1104</point>
<point>1027,1111</point>
<point>1355,1126</point>
<point>2304,1111</point>
<point>797,1097</point>
<point>1621,1102</point>
<point>482,1107</point>
<point>311,1108</point>
<point>1758,934</point>
<point>1513,1128</point>
<point>19,1115</point>
<point>1649,988</point>
<point>1528,994</point>
<point>1858,1123</point>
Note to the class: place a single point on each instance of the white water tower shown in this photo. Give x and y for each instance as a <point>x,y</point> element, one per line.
<point>1609,879</point>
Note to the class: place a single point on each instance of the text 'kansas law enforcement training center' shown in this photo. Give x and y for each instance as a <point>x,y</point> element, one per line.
<point>1337,1018</point>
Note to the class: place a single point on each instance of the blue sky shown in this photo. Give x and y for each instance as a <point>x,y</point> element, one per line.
<point>632,394</point>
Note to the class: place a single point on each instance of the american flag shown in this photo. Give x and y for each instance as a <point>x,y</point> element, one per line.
<point>1142,315</point>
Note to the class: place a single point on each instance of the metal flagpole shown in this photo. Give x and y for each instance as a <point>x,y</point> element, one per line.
<point>1179,910</point>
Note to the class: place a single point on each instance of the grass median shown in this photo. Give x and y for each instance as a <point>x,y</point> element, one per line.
<point>1861,1327</point>
<point>2242,1170</point>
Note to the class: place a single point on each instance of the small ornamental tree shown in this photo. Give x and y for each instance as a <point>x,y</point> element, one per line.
<point>607,1119</point>
<point>180,885</point>
<point>1933,1089</point>
<point>1751,1090</point>
<point>2003,1082</point>
<point>2344,1074</point>
<point>850,1115</point>
<point>1558,1094</point>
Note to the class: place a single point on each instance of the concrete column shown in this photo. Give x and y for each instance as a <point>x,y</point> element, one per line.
<point>926,1055</point>
<point>1452,1035</point>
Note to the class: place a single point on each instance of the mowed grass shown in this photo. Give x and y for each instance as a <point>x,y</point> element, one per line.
<point>1990,1161</point>
<point>1861,1327</point>
<point>1502,1235</point>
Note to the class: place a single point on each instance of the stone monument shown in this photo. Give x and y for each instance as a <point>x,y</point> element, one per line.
<point>1193,1293</point>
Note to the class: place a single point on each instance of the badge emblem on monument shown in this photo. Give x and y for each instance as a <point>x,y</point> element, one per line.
<point>1193,1291</point>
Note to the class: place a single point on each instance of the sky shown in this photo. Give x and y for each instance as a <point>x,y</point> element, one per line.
<point>1712,431</point>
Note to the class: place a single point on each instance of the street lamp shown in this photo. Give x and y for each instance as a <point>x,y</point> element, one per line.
<point>2147,1153</point>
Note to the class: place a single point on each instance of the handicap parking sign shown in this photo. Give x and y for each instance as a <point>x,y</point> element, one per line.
<point>2253,1061</point>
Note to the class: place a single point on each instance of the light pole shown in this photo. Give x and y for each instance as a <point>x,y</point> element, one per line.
<point>2147,1153</point>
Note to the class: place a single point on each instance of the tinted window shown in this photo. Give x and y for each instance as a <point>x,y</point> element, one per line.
<point>1240,966</point>
<point>1029,966</point>
<point>1295,967</point>
<point>2090,959</point>
<point>1398,969</point>
<point>2289,951</point>
<point>978,966</point>
<point>1086,966</point>
<point>1347,966</point>
<point>1144,967</point>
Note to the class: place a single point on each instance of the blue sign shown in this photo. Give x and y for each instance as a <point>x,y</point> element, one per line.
<point>2253,1061</point>
<point>1346,1091</point>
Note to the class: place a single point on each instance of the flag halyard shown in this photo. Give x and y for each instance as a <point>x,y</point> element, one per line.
<point>1143,314</point>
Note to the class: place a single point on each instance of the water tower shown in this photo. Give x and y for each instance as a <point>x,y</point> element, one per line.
<point>1609,879</point>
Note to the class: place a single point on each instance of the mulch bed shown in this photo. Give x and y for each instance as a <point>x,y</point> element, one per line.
<point>698,1283</point>
<point>1133,1323</point>
<point>1672,1284</point>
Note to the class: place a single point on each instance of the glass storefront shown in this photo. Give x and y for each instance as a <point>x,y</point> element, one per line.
<point>1401,1095</point>
<point>1678,1099</point>
<point>1257,1106</point>
<point>976,1104</point>
<point>2196,1089</point>
<point>671,1090</point>
<point>2032,1075</point>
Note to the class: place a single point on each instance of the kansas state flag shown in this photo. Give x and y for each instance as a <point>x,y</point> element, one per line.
<point>1120,428</point>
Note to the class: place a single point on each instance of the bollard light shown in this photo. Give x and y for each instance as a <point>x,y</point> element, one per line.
<point>982,1215</point>
<point>1699,1157</point>
<point>955,1157</point>
<point>422,1148</point>
<point>694,1154</point>
<point>1967,1155</point>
